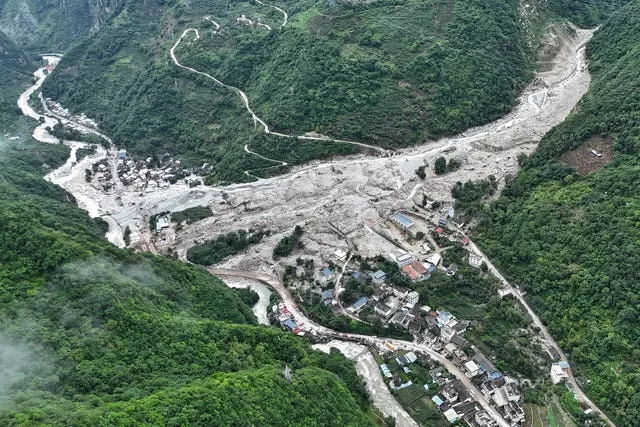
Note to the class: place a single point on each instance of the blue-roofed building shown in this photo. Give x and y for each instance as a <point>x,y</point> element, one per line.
<point>358,305</point>
<point>327,275</point>
<point>402,221</point>
<point>289,324</point>
<point>355,274</point>
<point>564,364</point>
<point>327,296</point>
<point>379,277</point>
<point>437,400</point>
<point>486,366</point>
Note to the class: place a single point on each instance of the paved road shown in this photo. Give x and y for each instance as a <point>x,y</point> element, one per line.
<point>310,325</point>
<point>580,395</point>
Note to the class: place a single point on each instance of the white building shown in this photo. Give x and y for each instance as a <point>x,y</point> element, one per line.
<point>472,368</point>
<point>557,373</point>
<point>404,259</point>
<point>412,299</point>
<point>341,255</point>
<point>451,415</point>
<point>435,259</point>
<point>475,260</point>
<point>162,223</point>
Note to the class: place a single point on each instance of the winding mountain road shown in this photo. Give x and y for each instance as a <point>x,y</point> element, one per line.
<point>245,99</point>
<point>536,97</point>
<point>286,17</point>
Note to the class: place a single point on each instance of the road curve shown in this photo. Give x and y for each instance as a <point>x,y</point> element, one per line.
<point>310,325</point>
<point>284,14</point>
<point>245,100</point>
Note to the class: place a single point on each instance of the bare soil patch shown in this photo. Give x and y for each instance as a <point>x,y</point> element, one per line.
<point>593,154</point>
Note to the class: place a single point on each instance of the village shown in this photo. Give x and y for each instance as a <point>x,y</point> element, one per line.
<point>367,291</point>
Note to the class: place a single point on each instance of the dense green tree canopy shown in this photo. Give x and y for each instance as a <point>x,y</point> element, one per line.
<point>571,240</point>
<point>94,335</point>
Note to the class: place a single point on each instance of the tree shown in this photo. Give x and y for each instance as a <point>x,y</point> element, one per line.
<point>440,166</point>
<point>420,172</point>
<point>126,236</point>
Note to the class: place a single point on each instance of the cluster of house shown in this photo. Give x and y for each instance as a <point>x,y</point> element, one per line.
<point>286,320</point>
<point>142,176</point>
<point>407,225</point>
<point>457,405</point>
<point>453,400</point>
<point>417,270</point>
<point>404,361</point>
<point>102,173</point>
<point>81,119</point>
<point>387,301</point>
<point>501,391</point>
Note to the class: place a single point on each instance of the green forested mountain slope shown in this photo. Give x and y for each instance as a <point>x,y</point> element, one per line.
<point>392,73</point>
<point>571,240</point>
<point>53,24</point>
<point>15,67</point>
<point>86,328</point>
<point>94,335</point>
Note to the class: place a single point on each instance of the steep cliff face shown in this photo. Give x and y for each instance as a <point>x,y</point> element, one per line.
<point>53,24</point>
<point>102,10</point>
<point>13,60</point>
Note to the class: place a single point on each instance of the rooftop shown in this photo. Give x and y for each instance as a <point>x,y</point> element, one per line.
<point>379,274</point>
<point>360,303</point>
<point>402,219</point>
<point>328,294</point>
<point>411,272</point>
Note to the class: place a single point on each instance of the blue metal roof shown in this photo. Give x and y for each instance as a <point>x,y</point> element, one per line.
<point>362,301</point>
<point>327,272</point>
<point>290,324</point>
<point>437,400</point>
<point>402,361</point>
<point>327,294</point>
<point>355,274</point>
<point>403,220</point>
<point>563,364</point>
<point>378,274</point>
